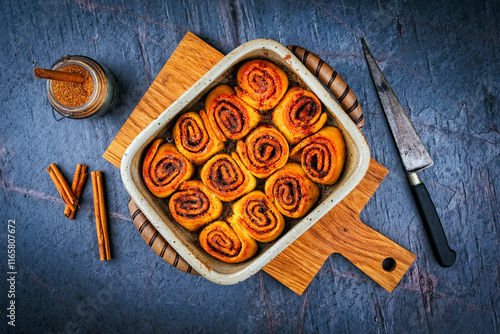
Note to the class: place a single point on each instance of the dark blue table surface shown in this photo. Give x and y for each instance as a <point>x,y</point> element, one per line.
<point>442,59</point>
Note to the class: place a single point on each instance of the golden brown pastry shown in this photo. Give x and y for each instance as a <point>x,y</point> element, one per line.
<point>261,84</point>
<point>291,190</point>
<point>228,243</point>
<point>263,151</point>
<point>227,177</point>
<point>259,217</point>
<point>228,115</point>
<point>322,155</point>
<point>193,205</point>
<point>164,168</point>
<point>298,115</point>
<point>195,141</point>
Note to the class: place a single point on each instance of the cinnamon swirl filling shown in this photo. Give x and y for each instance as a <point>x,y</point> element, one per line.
<point>298,115</point>
<point>194,206</point>
<point>164,168</point>
<point>261,84</point>
<point>228,243</point>
<point>193,140</point>
<point>291,190</point>
<point>322,155</point>
<point>228,115</point>
<point>260,217</point>
<point>227,177</point>
<point>263,151</point>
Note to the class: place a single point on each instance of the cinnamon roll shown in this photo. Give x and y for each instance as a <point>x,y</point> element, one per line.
<point>263,151</point>
<point>164,168</point>
<point>194,206</point>
<point>259,217</point>
<point>228,243</point>
<point>228,115</point>
<point>195,141</point>
<point>298,115</point>
<point>261,84</point>
<point>227,177</point>
<point>322,155</point>
<point>291,190</point>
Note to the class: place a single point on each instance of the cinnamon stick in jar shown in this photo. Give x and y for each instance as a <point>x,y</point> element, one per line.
<point>73,94</point>
<point>43,73</point>
<point>100,216</point>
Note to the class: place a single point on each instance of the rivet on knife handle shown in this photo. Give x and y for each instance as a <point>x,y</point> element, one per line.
<point>333,82</point>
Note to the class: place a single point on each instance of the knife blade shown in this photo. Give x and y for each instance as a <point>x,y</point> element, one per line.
<point>414,157</point>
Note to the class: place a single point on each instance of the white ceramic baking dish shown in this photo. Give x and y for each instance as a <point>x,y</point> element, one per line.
<point>186,243</point>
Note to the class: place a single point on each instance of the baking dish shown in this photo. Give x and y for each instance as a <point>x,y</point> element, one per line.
<point>186,243</point>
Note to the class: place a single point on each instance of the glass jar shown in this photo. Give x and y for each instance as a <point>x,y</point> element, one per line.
<point>103,94</point>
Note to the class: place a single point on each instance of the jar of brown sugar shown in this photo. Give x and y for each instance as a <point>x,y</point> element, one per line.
<point>94,96</point>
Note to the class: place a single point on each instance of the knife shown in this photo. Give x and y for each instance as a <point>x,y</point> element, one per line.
<point>415,157</point>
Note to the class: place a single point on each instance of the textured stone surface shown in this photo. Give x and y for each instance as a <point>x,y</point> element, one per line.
<point>442,60</point>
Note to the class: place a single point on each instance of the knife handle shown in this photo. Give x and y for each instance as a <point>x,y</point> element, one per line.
<point>444,254</point>
<point>333,81</point>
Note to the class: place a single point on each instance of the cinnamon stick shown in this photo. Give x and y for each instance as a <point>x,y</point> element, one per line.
<point>100,216</point>
<point>43,73</point>
<point>100,237</point>
<point>79,180</point>
<point>62,186</point>
<point>67,210</point>
<point>79,189</point>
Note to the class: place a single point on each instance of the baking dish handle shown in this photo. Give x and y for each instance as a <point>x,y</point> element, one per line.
<point>333,81</point>
<point>156,241</point>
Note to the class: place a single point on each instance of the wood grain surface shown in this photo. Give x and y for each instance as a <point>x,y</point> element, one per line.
<point>340,231</point>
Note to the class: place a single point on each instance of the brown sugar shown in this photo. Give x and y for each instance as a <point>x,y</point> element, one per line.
<point>73,94</point>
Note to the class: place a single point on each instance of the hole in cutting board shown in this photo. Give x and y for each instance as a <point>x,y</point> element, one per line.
<point>389,264</point>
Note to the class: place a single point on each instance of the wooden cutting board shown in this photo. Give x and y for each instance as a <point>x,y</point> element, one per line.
<point>339,231</point>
